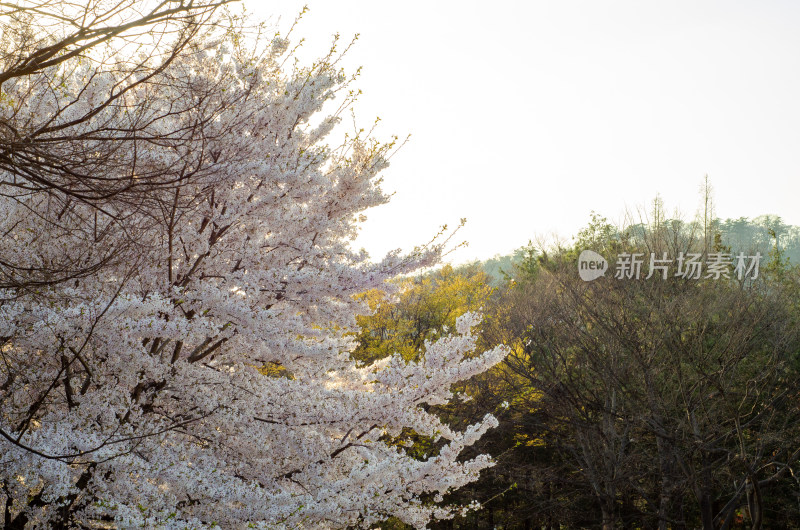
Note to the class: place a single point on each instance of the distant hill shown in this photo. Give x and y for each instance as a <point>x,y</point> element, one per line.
<point>754,235</point>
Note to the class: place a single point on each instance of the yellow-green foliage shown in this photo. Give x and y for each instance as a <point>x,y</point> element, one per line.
<point>426,309</point>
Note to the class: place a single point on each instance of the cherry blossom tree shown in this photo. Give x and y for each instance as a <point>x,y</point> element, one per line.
<point>177,307</point>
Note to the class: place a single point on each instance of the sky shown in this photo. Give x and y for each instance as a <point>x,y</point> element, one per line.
<point>527,116</point>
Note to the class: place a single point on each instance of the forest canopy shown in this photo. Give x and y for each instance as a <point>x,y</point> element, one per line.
<point>668,402</point>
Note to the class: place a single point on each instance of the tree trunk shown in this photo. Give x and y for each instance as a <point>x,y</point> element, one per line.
<point>608,516</point>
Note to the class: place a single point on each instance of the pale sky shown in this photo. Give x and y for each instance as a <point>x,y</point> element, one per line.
<point>526,116</point>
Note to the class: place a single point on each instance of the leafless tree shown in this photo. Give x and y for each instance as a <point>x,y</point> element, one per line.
<point>675,392</point>
<point>77,126</point>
